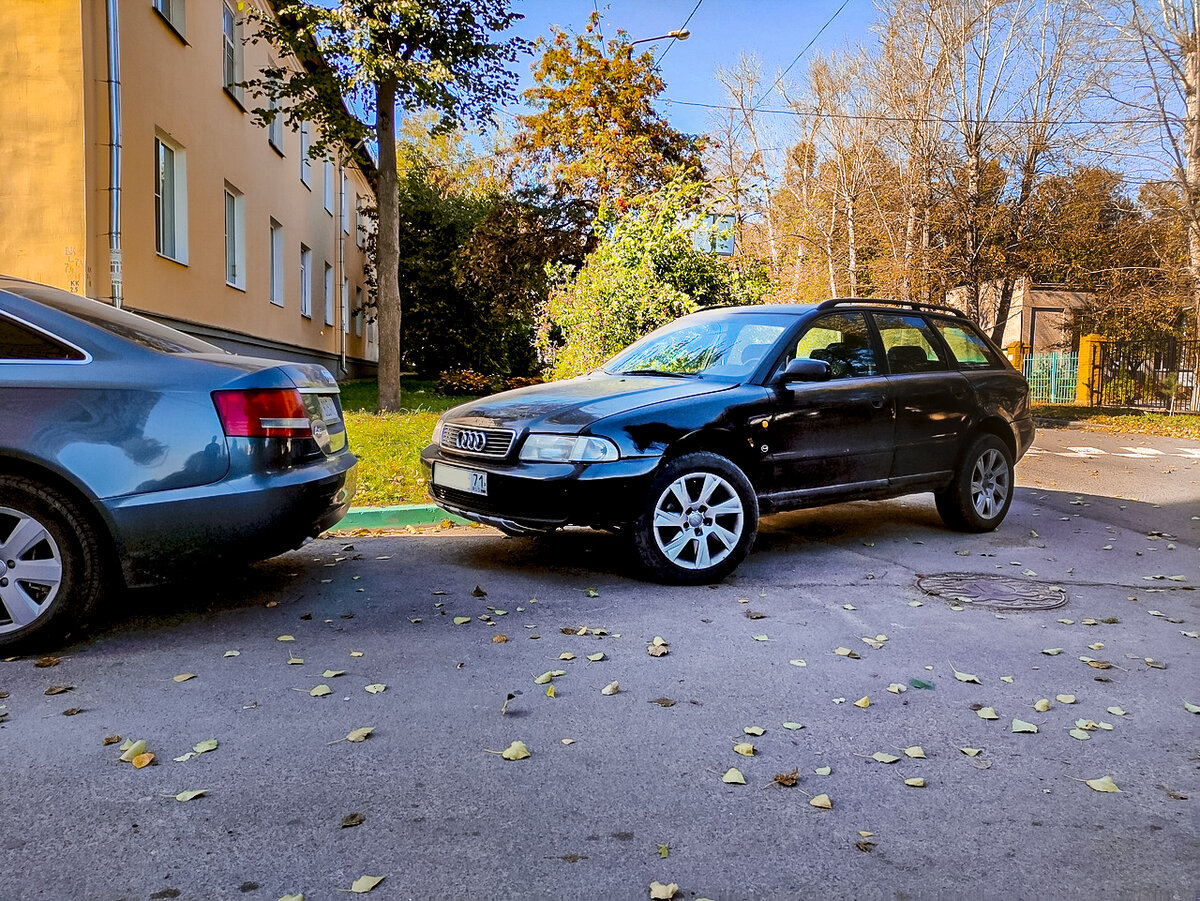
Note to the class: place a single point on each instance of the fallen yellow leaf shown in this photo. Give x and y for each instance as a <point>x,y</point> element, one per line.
<point>143,760</point>
<point>864,702</point>
<point>1065,699</point>
<point>376,688</point>
<point>915,782</point>
<point>822,802</point>
<point>364,884</point>
<point>660,892</point>
<point>1042,705</point>
<point>733,776</point>
<point>744,748</point>
<point>191,795</point>
<point>360,734</point>
<point>914,751</point>
<point>1103,784</point>
<point>987,713</point>
<point>515,751</point>
<point>1022,726</point>
<point>183,677</point>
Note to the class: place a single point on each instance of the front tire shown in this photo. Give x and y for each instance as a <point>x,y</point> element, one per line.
<point>52,570</point>
<point>699,520</point>
<point>978,498</point>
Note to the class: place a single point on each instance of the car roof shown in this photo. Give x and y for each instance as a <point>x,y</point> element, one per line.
<point>799,309</point>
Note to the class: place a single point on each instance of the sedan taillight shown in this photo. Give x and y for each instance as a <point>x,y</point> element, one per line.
<point>263,413</point>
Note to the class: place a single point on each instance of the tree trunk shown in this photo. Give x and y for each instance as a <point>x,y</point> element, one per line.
<point>1191,175</point>
<point>388,248</point>
<point>851,248</point>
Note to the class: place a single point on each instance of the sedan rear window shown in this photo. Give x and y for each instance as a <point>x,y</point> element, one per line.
<point>20,343</point>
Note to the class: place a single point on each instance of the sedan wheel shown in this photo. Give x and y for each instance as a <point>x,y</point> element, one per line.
<point>51,573</point>
<point>982,491</point>
<point>700,520</point>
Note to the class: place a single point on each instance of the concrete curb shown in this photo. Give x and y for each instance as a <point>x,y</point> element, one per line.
<point>395,517</point>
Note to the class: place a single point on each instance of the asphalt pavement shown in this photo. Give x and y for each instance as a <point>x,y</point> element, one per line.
<point>440,642</point>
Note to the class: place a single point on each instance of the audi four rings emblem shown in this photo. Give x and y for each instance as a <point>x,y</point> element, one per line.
<point>471,440</point>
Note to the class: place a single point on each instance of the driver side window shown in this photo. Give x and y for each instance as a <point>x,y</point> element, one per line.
<point>841,340</point>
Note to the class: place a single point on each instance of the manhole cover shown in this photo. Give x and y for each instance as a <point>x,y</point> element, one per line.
<point>993,592</point>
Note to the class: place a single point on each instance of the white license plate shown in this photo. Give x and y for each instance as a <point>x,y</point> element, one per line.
<point>328,409</point>
<point>469,480</point>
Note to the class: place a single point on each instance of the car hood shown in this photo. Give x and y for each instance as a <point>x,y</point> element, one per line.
<point>573,405</point>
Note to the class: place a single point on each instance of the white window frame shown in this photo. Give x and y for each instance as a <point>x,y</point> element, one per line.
<point>328,294</point>
<point>170,199</point>
<point>232,51</point>
<point>275,126</point>
<point>345,306</point>
<point>174,12</point>
<point>360,222</point>
<point>235,237</point>
<point>275,251</point>
<point>306,281</point>
<point>345,211</point>
<point>305,161</point>
<point>329,176</point>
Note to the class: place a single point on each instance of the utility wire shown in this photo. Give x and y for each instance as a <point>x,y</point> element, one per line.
<point>682,27</point>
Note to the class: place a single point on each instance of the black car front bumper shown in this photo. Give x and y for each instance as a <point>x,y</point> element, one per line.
<point>540,496</point>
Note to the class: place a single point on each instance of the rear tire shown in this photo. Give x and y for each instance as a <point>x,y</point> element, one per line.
<point>699,520</point>
<point>52,568</point>
<point>978,498</point>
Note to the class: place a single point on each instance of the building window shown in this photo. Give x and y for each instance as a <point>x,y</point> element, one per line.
<point>305,282</point>
<point>173,12</point>
<point>345,306</point>
<point>275,126</point>
<point>231,31</point>
<point>276,263</point>
<point>235,237</point>
<point>305,162</point>
<point>328,294</point>
<point>359,312</point>
<point>329,186</point>
<point>170,200</point>
<point>345,203</point>
<point>360,222</point>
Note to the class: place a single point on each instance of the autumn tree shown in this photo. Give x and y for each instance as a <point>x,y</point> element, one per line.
<point>1157,48</point>
<point>594,132</point>
<point>347,69</point>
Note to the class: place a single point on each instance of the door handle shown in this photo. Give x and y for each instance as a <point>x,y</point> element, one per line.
<point>878,402</point>
<point>959,393</point>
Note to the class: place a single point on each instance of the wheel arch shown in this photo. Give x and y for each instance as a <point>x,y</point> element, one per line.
<point>994,425</point>
<point>82,500</point>
<point>721,442</point>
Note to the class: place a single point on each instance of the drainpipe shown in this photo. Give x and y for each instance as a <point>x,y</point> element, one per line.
<point>114,128</point>
<point>343,301</point>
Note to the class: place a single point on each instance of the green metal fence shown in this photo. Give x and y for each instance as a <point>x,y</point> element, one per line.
<point>1052,377</point>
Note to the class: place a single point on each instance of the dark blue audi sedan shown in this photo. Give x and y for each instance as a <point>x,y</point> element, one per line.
<point>130,452</point>
<point>684,438</point>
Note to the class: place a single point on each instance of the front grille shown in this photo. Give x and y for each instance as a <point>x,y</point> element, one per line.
<point>477,442</point>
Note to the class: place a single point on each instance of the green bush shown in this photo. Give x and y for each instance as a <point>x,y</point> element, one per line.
<point>643,274</point>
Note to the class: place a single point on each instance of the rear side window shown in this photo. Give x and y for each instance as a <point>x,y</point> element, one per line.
<point>909,344</point>
<point>17,342</point>
<point>968,347</point>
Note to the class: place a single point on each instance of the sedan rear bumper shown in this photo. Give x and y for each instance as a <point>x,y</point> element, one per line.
<point>162,531</point>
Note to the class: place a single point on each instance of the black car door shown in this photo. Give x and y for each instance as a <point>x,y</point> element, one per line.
<point>933,400</point>
<point>834,433</point>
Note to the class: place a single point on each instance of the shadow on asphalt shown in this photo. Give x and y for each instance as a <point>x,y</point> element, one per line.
<point>910,525</point>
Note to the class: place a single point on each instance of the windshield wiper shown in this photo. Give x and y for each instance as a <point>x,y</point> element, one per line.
<point>662,372</point>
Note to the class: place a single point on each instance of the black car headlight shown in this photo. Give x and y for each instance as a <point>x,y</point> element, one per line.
<point>542,448</point>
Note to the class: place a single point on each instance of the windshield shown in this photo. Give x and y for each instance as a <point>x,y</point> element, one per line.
<point>728,346</point>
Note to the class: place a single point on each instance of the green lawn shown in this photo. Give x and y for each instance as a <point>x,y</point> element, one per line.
<point>389,445</point>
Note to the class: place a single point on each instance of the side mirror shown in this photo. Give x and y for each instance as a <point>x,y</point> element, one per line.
<point>803,369</point>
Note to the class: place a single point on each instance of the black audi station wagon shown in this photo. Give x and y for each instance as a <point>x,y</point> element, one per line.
<point>687,436</point>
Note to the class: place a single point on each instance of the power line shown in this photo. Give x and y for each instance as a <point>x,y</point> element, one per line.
<point>783,74</point>
<point>867,117</point>
<point>682,27</point>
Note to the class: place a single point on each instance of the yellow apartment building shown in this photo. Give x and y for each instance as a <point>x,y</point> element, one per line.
<point>131,171</point>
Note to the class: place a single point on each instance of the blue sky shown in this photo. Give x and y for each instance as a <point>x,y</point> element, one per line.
<point>775,30</point>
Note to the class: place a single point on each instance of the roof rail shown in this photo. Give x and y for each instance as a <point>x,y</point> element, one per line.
<point>905,304</point>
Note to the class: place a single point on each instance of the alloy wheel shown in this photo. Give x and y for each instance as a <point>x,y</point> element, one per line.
<point>989,483</point>
<point>698,520</point>
<point>31,569</point>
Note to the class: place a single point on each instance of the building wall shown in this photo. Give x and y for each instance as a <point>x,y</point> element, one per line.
<point>42,142</point>
<point>172,87</point>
